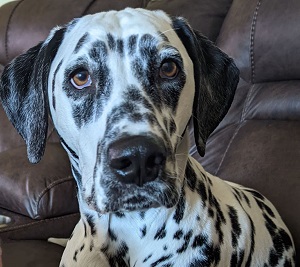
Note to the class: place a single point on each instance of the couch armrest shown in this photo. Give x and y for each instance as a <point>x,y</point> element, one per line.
<point>40,191</point>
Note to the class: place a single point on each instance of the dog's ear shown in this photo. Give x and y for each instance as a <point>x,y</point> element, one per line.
<point>23,92</point>
<point>216,78</point>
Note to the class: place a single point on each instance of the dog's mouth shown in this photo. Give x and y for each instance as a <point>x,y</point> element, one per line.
<point>138,173</point>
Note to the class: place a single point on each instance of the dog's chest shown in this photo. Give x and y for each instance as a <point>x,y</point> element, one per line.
<point>152,238</point>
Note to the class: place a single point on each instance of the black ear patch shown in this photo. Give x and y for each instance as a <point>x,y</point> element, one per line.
<point>216,78</point>
<point>23,92</point>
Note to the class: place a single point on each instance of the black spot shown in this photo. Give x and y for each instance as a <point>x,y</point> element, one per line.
<point>161,233</point>
<point>217,255</point>
<point>148,105</point>
<point>199,241</point>
<point>236,227</point>
<point>142,214</point>
<point>287,263</point>
<point>147,46</point>
<point>132,44</point>
<point>91,245</point>
<point>128,107</point>
<point>72,152</point>
<point>273,258</point>
<point>255,194</point>
<point>72,24</point>
<point>286,239</point>
<point>119,214</point>
<point>218,225</point>
<point>211,212</point>
<point>112,235</point>
<point>246,198</point>
<point>271,226</point>
<point>197,263</point>
<point>75,256</point>
<point>72,234</point>
<point>120,47</point>
<point>191,177</point>
<point>241,257</point>
<point>178,234</point>
<point>268,210</point>
<point>84,226</point>
<point>233,260</point>
<point>201,189</point>
<point>82,247</point>
<point>150,117</point>
<point>160,260</point>
<point>252,231</point>
<point>165,122</point>
<point>180,207</point>
<point>173,127</point>
<point>82,112</point>
<point>98,52</point>
<point>91,223</point>
<point>136,117</point>
<point>91,198</point>
<point>210,257</point>
<point>133,94</point>
<point>111,42</point>
<point>165,247</point>
<point>212,253</point>
<point>122,250</point>
<point>81,42</point>
<point>147,258</point>
<point>144,231</point>
<point>185,245</point>
<point>53,84</point>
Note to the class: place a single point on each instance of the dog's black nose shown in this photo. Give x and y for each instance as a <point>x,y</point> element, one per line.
<point>136,160</point>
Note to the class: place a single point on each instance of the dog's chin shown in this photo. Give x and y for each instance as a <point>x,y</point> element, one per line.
<point>140,199</point>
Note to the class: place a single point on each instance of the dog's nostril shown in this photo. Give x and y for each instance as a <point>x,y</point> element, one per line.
<point>155,160</point>
<point>120,164</point>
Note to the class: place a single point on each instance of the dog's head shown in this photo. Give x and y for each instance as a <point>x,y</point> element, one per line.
<point>121,88</point>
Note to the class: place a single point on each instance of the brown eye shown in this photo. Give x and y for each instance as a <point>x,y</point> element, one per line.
<point>168,70</point>
<point>81,79</point>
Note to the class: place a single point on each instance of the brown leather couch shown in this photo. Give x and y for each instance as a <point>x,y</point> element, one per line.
<point>257,144</point>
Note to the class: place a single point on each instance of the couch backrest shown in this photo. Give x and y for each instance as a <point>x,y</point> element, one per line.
<point>264,39</point>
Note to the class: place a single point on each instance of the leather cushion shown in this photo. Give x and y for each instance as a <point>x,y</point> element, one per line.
<point>264,40</point>
<point>205,16</point>
<point>31,253</point>
<point>40,191</point>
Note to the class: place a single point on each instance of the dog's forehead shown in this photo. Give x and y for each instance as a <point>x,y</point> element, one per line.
<point>122,24</point>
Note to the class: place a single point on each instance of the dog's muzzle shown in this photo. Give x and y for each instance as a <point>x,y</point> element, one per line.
<point>137,159</point>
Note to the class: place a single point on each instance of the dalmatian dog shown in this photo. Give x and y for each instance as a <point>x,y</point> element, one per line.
<point>122,89</point>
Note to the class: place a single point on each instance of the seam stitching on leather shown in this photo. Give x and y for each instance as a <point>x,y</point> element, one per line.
<point>240,123</point>
<point>8,26</point>
<point>252,34</point>
<point>88,7</point>
<point>145,3</point>
<point>48,188</point>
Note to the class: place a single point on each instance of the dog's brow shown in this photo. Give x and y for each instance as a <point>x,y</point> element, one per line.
<point>84,39</point>
<point>132,43</point>
<point>98,51</point>
<point>115,44</point>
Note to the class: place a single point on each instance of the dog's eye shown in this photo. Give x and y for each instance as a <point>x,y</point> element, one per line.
<point>168,70</point>
<point>81,79</point>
